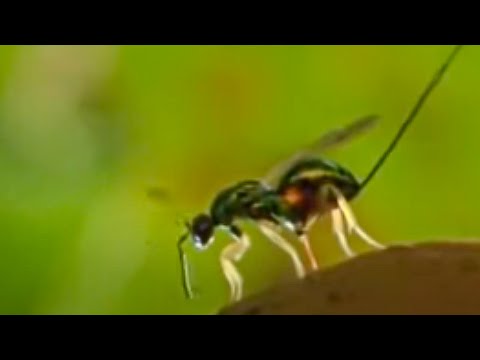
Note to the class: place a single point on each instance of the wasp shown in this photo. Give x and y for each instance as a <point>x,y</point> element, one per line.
<point>270,208</point>
<point>259,203</point>
<point>293,196</point>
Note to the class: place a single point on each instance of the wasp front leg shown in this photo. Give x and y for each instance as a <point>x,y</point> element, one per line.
<point>230,254</point>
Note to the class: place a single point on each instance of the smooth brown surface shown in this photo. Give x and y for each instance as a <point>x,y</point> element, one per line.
<point>434,278</point>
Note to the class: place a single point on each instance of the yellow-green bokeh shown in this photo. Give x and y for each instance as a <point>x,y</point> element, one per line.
<point>84,131</point>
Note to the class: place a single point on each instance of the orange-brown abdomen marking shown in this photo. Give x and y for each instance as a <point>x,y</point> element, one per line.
<point>301,198</point>
<point>294,196</point>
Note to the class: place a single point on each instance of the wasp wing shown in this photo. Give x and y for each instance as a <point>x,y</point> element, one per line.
<point>326,142</point>
<point>158,194</point>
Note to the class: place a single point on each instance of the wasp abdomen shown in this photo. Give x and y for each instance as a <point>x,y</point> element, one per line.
<point>306,188</point>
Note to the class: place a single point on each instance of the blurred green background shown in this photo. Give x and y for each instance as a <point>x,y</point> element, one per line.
<point>85,130</point>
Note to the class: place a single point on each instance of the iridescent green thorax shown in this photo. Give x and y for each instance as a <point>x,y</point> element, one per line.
<point>247,199</point>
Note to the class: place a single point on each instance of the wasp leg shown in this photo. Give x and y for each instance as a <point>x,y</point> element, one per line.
<point>304,239</point>
<point>270,231</point>
<point>231,253</point>
<point>352,222</point>
<point>338,229</point>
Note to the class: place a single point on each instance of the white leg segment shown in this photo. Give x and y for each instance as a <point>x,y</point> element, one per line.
<point>339,232</point>
<point>352,222</point>
<point>233,253</point>
<point>272,233</point>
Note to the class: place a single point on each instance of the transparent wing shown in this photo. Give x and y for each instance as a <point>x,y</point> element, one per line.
<point>158,194</point>
<point>326,142</point>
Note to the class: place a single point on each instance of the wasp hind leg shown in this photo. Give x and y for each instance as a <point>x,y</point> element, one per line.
<point>230,254</point>
<point>339,231</point>
<point>352,223</point>
<point>272,233</point>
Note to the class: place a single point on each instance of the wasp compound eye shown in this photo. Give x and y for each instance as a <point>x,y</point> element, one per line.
<point>202,230</point>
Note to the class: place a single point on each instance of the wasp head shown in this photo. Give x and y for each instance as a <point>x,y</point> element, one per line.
<point>201,230</point>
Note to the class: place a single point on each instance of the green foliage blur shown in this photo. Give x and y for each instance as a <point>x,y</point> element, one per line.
<point>86,130</point>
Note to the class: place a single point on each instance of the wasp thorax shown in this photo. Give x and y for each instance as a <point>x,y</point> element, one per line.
<point>202,230</point>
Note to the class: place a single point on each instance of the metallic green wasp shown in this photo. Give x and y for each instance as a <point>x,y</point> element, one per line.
<point>292,197</point>
<point>259,203</point>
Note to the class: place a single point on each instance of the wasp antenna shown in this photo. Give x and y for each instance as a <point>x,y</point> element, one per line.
<point>185,268</point>
<point>420,102</point>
